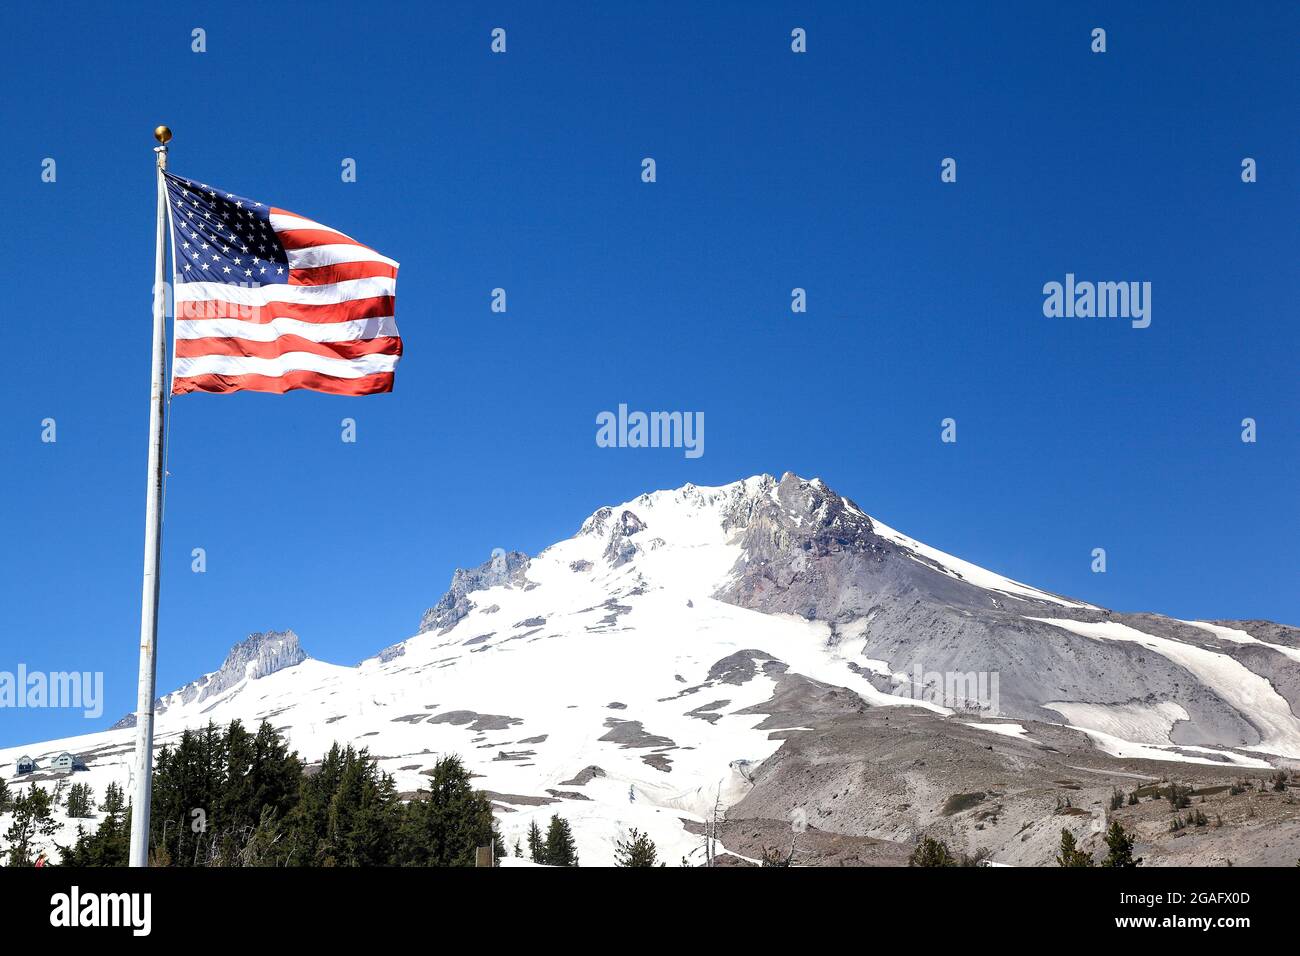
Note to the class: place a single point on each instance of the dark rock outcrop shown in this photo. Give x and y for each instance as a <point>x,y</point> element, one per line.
<point>504,568</point>
<point>257,656</point>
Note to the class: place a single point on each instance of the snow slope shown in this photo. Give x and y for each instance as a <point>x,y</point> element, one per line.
<point>1247,691</point>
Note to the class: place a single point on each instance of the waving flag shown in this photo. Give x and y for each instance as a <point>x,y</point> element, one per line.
<point>269,301</point>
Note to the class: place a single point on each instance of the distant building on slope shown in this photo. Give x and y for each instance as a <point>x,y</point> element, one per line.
<point>66,763</point>
<point>25,765</point>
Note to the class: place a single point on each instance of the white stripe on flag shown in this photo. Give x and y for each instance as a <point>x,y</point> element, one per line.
<point>351,331</point>
<point>289,362</point>
<point>298,294</point>
<point>314,256</point>
<point>283,222</point>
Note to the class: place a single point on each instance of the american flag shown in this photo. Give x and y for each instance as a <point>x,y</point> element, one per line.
<point>269,301</point>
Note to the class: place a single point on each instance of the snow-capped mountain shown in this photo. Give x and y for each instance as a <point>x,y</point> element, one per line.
<point>746,646</point>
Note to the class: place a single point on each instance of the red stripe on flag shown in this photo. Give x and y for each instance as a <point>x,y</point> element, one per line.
<point>197,348</point>
<point>341,272</point>
<point>279,384</point>
<point>306,238</point>
<point>372,308</point>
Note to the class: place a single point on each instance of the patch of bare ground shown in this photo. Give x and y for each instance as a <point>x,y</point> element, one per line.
<point>750,837</point>
<point>897,773</point>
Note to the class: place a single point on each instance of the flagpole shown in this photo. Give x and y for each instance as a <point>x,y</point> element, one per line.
<point>142,771</point>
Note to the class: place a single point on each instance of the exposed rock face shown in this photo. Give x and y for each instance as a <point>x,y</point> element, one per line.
<point>257,656</point>
<point>507,569</point>
<point>622,548</point>
<point>811,553</point>
<point>267,653</point>
<point>392,652</point>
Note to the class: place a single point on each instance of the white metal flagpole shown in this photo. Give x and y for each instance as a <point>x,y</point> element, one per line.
<point>142,772</point>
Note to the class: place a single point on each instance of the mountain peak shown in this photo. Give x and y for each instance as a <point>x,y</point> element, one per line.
<point>259,655</point>
<point>267,651</point>
<point>504,567</point>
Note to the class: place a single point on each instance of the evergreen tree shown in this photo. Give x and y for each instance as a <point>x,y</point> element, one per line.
<point>309,821</point>
<point>498,846</point>
<point>560,848</point>
<point>637,850</point>
<point>536,845</point>
<point>931,852</point>
<point>210,790</point>
<point>6,797</point>
<point>80,800</point>
<point>76,854</point>
<point>32,826</point>
<point>1120,845</point>
<point>187,783</point>
<point>114,802</point>
<point>348,814</point>
<point>109,844</point>
<point>262,846</point>
<point>1070,854</point>
<point>446,825</point>
<point>365,815</point>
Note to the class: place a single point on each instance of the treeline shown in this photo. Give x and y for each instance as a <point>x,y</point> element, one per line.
<point>1119,852</point>
<point>231,798</point>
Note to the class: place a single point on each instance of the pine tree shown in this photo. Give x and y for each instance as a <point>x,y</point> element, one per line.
<point>446,825</point>
<point>637,850</point>
<point>305,841</point>
<point>75,855</point>
<point>560,848</point>
<point>187,781</point>
<point>262,846</point>
<point>931,852</point>
<point>108,845</point>
<point>210,790</point>
<point>364,814</point>
<point>114,801</point>
<point>6,797</point>
<point>498,846</point>
<point>80,800</point>
<point>1070,854</point>
<point>32,826</point>
<point>536,845</point>
<point>1120,845</point>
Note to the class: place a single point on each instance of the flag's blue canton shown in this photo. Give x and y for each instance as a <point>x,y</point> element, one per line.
<point>221,237</point>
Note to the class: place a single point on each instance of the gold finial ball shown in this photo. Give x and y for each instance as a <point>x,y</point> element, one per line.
<point>162,134</point>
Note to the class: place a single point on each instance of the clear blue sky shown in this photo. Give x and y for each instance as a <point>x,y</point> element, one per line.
<point>775,170</point>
